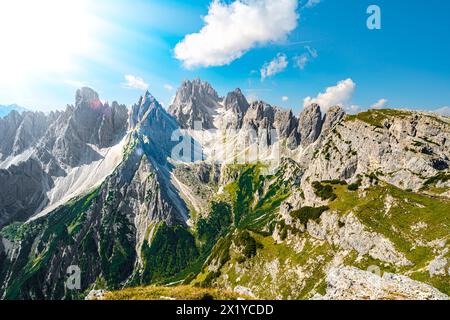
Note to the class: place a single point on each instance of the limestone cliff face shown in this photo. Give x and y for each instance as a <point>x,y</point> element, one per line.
<point>332,117</point>
<point>287,124</point>
<point>404,148</point>
<point>348,283</point>
<point>310,124</point>
<point>263,118</point>
<point>260,116</point>
<point>22,131</point>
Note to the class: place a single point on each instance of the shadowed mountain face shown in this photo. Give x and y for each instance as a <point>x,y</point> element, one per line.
<point>100,191</point>
<point>38,149</point>
<point>89,122</point>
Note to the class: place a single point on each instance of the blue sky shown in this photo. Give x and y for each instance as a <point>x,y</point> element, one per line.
<point>121,47</point>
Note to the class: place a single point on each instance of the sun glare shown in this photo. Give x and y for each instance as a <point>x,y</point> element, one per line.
<point>43,37</point>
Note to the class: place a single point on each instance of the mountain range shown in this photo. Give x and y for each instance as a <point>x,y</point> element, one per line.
<point>5,110</point>
<point>223,193</point>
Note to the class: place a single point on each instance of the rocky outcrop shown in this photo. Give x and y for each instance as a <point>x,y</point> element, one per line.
<point>159,129</point>
<point>333,116</point>
<point>236,105</point>
<point>22,131</point>
<point>139,110</point>
<point>310,124</point>
<point>96,295</point>
<point>22,191</point>
<point>259,116</point>
<point>195,101</point>
<point>287,124</point>
<point>236,102</point>
<point>440,265</point>
<point>263,118</point>
<point>348,283</point>
<point>354,235</point>
<point>385,141</point>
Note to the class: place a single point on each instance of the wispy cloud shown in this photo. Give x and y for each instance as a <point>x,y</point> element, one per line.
<point>232,29</point>
<point>312,3</point>
<point>135,82</point>
<point>284,98</point>
<point>277,65</point>
<point>300,61</point>
<point>168,87</point>
<point>312,52</point>
<point>296,43</point>
<point>75,83</point>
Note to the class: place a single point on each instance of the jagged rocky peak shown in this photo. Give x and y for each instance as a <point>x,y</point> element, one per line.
<point>195,101</point>
<point>89,122</point>
<point>260,115</point>
<point>146,103</point>
<point>310,124</point>
<point>152,121</point>
<point>86,97</point>
<point>236,102</point>
<point>196,89</point>
<point>20,131</point>
<point>236,106</point>
<point>332,117</point>
<point>92,115</point>
<point>287,125</point>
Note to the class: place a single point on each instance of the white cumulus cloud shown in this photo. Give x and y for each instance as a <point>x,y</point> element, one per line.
<point>277,65</point>
<point>284,98</point>
<point>135,82</point>
<point>232,29</point>
<point>340,94</point>
<point>379,104</point>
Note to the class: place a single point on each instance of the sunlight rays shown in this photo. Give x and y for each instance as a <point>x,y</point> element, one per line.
<point>44,37</point>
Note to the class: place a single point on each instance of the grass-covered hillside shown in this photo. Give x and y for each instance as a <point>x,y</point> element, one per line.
<point>172,293</point>
<point>259,252</point>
